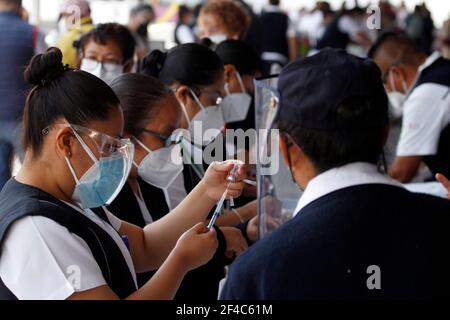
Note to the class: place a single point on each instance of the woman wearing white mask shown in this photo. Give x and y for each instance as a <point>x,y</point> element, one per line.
<point>107,51</point>
<point>151,116</point>
<point>57,240</point>
<point>196,75</point>
<point>242,66</point>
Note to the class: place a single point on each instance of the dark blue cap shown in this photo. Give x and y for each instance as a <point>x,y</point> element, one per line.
<point>312,89</point>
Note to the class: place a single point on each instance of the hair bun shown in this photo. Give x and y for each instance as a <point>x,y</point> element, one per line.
<point>45,67</point>
<point>153,63</point>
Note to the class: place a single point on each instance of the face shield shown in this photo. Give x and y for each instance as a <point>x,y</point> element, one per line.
<point>277,193</point>
<point>103,181</point>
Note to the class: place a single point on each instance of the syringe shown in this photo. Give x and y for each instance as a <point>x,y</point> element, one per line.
<point>231,178</point>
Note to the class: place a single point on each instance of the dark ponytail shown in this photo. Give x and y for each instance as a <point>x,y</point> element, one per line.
<point>191,64</point>
<point>60,92</point>
<point>153,63</point>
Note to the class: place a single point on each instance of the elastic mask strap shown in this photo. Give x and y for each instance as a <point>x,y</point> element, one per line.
<point>197,100</point>
<point>144,147</point>
<point>391,80</point>
<point>241,83</point>
<point>85,146</point>
<point>72,170</point>
<point>227,91</point>
<point>183,107</point>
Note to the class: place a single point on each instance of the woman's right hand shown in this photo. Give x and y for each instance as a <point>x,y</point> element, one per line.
<point>196,246</point>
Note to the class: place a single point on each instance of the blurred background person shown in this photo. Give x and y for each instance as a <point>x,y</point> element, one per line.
<point>420,27</point>
<point>107,51</point>
<point>312,25</point>
<point>253,36</point>
<point>220,20</point>
<point>347,27</point>
<point>17,42</point>
<point>75,27</point>
<point>279,45</point>
<point>140,18</point>
<point>183,30</point>
<point>419,86</point>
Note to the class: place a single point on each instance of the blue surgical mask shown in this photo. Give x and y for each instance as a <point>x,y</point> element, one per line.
<point>103,181</point>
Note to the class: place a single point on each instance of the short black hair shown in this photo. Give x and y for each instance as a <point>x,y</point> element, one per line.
<point>110,31</point>
<point>60,92</point>
<point>331,149</point>
<point>402,49</point>
<point>240,55</point>
<point>183,10</point>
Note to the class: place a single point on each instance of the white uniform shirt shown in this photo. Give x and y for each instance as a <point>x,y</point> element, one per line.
<point>42,260</point>
<point>353,174</point>
<point>185,34</point>
<point>426,113</point>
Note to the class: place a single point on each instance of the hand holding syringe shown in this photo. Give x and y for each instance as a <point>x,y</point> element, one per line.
<point>231,179</point>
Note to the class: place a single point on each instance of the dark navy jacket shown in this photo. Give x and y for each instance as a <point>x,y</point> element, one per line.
<point>326,250</point>
<point>17,48</point>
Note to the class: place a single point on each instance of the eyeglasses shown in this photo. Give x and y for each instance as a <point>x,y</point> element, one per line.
<point>92,65</point>
<point>215,96</point>
<point>106,145</point>
<point>167,140</point>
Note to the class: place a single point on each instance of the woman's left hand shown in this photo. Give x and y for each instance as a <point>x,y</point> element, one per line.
<point>216,182</point>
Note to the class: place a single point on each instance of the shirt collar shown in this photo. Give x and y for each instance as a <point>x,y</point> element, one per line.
<point>428,62</point>
<point>353,174</point>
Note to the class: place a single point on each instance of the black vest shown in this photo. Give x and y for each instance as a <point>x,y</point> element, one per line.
<point>274,27</point>
<point>126,207</point>
<point>438,73</point>
<point>18,200</point>
<point>333,37</point>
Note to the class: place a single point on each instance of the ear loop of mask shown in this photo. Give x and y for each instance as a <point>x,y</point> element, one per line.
<point>88,151</point>
<point>391,80</point>
<point>143,147</point>
<point>183,108</point>
<point>241,84</point>
<point>197,99</point>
